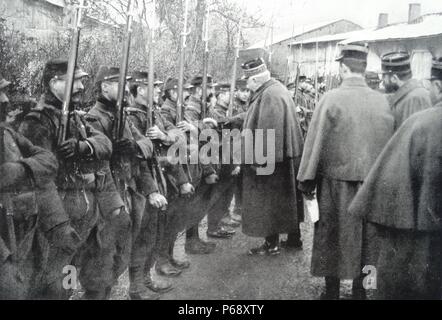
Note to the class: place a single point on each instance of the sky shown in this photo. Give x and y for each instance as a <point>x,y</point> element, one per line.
<point>289,13</point>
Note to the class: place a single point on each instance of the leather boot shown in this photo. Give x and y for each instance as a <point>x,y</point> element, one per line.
<point>157,285</point>
<point>197,246</point>
<point>137,288</point>
<point>164,268</point>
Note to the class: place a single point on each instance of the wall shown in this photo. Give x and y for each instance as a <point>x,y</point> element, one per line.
<point>34,18</point>
<point>281,51</point>
<point>422,51</point>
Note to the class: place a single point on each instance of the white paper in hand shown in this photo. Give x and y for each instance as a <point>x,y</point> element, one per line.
<point>312,209</point>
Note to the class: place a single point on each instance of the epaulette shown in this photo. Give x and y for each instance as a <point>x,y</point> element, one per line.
<point>90,118</point>
<point>134,110</point>
<point>192,108</point>
<point>81,113</point>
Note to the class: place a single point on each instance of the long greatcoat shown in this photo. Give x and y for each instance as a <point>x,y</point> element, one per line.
<point>349,128</point>
<point>412,97</point>
<point>401,199</point>
<point>271,203</point>
<point>17,279</point>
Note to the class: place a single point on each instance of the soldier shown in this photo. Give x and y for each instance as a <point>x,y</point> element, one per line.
<point>163,134</point>
<point>193,122</point>
<point>400,199</point>
<point>27,171</point>
<point>222,192</point>
<point>436,83</point>
<point>349,128</point>
<point>271,204</point>
<point>409,96</point>
<point>135,181</point>
<point>167,265</point>
<point>241,105</point>
<point>372,80</point>
<point>83,163</point>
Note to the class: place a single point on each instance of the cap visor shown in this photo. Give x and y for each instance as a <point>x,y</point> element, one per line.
<point>81,74</point>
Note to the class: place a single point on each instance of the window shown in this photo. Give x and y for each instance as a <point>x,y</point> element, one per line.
<point>421,64</point>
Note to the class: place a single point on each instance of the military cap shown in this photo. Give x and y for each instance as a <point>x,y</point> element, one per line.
<point>171,83</point>
<point>198,81</point>
<point>291,85</point>
<point>436,69</point>
<point>241,84</point>
<point>187,86</point>
<point>57,68</point>
<point>142,77</point>
<point>396,62</point>
<point>253,67</point>
<point>354,51</point>
<point>111,74</point>
<point>3,82</point>
<point>372,76</point>
<point>222,87</point>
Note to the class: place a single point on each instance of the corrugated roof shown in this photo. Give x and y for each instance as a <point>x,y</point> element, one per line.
<point>330,37</point>
<point>430,25</point>
<point>58,3</point>
<point>297,32</point>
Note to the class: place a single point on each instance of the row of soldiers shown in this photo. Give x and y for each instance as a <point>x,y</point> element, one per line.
<point>100,205</point>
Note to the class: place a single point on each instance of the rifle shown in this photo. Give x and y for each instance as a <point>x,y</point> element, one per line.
<point>72,63</point>
<point>298,70</point>
<point>150,109</point>
<point>120,121</point>
<point>234,67</point>
<point>5,200</point>
<point>205,39</point>
<point>184,34</point>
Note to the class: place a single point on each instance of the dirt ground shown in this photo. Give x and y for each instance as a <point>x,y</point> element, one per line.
<point>229,273</point>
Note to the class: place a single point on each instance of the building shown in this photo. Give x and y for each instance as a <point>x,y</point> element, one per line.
<point>421,36</point>
<point>44,19</point>
<point>277,51</point>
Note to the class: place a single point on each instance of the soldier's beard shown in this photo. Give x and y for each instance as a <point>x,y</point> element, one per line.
<point>391,87</point>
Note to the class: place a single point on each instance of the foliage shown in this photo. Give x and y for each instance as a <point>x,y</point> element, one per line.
<point>22,58</point>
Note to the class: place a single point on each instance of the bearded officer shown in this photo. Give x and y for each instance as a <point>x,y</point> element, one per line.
<point>408,94</point>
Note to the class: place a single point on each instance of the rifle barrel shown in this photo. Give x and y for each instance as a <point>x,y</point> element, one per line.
<point>70,76</point>
<point>123,74</point>
<point>205,61</point>
<point>180,102</point>
<point>234,67</point>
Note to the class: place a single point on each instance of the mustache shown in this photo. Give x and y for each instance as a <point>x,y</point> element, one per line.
<point>77,94</point>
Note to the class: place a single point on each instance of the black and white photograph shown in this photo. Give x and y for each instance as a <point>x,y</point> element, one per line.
<point>220,154</point>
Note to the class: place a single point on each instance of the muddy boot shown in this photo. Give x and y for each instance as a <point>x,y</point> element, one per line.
<point>182,265</point>
<point>197,246</point>
<point>164,268</point>
<point>137,288</point>
<point>157,285</point>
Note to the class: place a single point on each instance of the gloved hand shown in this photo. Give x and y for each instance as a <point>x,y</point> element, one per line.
<point>210,123</point>
<point>157,200</point>
<point>186,190</point>
<point>155,133</point>
<point>185,126</point>
<point>125,146</point>
<point>236,171</point>
<point>73,147</point>
<point>11,173</point>
<point>64,237</point>
<point>211,179</point>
